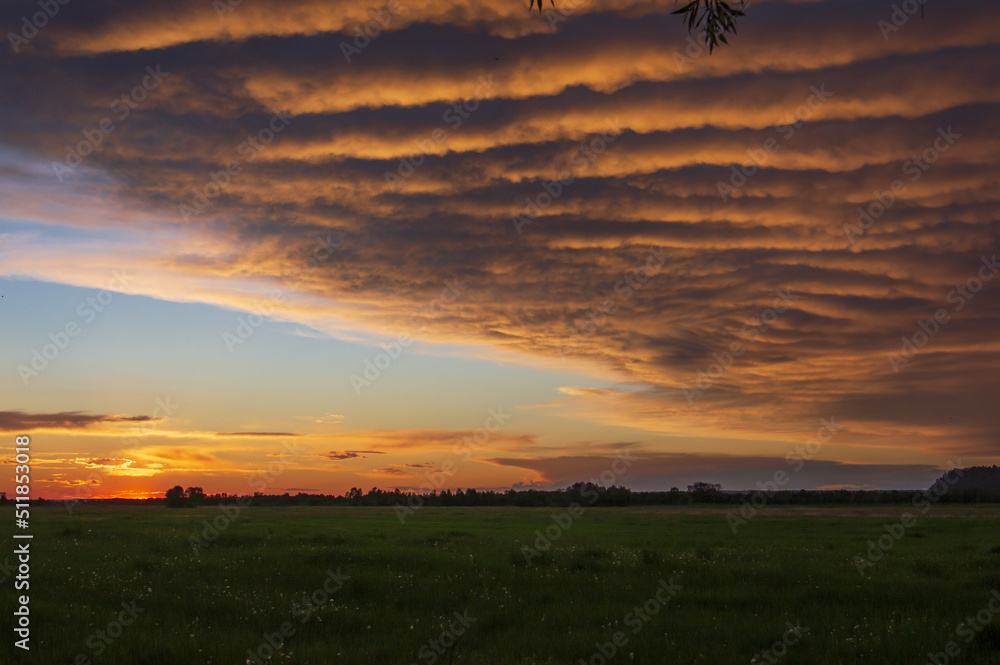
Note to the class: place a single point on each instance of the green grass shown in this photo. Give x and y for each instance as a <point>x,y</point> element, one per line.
<point>407,581</point>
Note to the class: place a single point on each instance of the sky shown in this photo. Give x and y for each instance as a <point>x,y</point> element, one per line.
<point>302,246</point>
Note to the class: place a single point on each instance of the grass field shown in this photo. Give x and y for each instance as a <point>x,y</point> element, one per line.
<point>736,596</point>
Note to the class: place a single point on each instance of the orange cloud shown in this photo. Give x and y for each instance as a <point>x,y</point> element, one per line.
<point>181,455</point>
<point>350,454</point>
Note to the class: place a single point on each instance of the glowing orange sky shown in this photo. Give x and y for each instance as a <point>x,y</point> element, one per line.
<point>414,190</point>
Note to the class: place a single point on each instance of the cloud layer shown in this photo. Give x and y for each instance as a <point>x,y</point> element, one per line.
<point>752,240</point>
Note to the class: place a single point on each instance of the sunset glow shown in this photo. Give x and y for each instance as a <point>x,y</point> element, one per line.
<point>253,251</point>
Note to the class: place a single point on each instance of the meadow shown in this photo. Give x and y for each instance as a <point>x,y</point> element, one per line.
<point>454,585</point>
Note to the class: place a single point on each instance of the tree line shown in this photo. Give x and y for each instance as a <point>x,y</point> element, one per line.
<point>975,485</point>
<point>979,484</point>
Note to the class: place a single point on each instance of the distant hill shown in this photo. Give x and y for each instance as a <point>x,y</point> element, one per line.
<point>972,477</point>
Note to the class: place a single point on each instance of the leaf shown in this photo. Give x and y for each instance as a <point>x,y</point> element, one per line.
<point>716,17</point>
<point>686,8</point>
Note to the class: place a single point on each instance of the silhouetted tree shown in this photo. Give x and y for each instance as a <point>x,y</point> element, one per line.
<point>707,492</point>
<point>195,495</point>
<point>175,497</point>
<point>970,477</point>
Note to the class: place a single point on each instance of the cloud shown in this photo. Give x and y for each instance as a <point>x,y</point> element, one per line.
<point>107,462</point>
<point>255,434</point>
<point>178,455</point>
<point>413,441</point>
<point>20,421</point>
<point>350,454</point>
<point>119,466</point>
<point>388,471</point>
<point>660,471</point>
<point>328,419</point>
